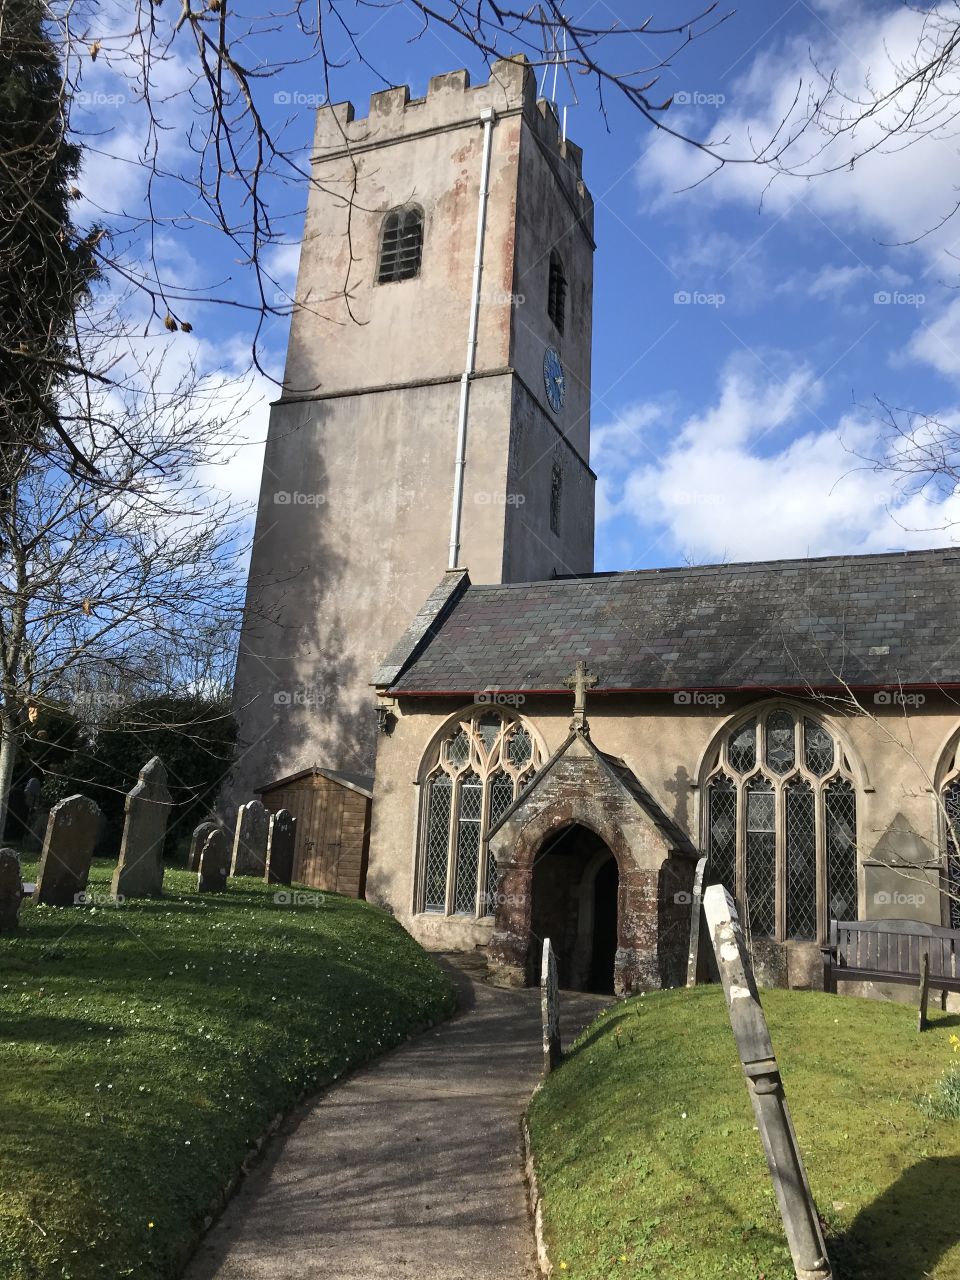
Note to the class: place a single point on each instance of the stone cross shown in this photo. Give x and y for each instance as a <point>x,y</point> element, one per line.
<point>72,830</point>
<point>281,843</point>
<point>550,1008</point>
<point>580,682</point>
<point>139,872</point>
<point>250,840</point>
<point>696,908</point>
<point>197,841</point>
<point>787,1172</point>
<point>11,890</point>
<point>213,865</point>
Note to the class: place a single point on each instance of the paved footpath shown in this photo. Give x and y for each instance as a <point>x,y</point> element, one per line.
<point>410,1167</point>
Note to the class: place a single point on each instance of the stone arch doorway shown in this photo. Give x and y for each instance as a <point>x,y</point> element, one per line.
<point>575,888</point>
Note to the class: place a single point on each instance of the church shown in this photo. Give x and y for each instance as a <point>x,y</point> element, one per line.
<point>550,750</point>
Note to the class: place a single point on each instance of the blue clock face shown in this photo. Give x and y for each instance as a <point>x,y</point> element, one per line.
<point>553,379</point>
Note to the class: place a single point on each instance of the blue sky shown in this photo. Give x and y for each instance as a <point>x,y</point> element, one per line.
<point>741,330</point>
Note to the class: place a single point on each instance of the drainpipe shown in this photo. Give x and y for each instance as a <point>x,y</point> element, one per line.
<point>488,118</point>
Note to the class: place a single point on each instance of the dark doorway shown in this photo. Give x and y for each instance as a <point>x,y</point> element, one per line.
<point>574,904</point>
<point>606,886</point>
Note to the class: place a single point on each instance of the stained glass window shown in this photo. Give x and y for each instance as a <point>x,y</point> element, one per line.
<point>438,842</point>
<point>817,748</point>
<point>761,870</point>
<point>780,747</point>
<point>801,839</point>
<point>723,832</point>
<point>951,804</point>
<point>841,807</point>
<point>742,748</point>
<point>470,811</point>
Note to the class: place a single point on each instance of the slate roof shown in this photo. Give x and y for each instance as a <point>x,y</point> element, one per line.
<point>868,621</point>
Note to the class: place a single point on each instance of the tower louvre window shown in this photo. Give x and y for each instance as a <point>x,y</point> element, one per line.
<point>557,291</point>
<point>556,496</point>
<point>401,245</point>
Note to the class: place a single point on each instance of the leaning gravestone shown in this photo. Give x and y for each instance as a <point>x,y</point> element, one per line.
<point>787,1172</point>
<point>67,851</point>
<point>11,890</point>
<point>197,841</point>
<point>250,840</point>
<point>214,863</point>
<point>281,839</point>
<point>139,872</point>
<point>696,910</point>
<point>550,1008</point>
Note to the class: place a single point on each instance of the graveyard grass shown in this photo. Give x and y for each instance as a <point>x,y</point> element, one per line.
<point>649,1163</point>
<point>145,1048</point>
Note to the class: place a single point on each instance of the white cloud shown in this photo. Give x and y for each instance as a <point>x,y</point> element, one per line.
<point>726,484</point>
<point>938,343</point>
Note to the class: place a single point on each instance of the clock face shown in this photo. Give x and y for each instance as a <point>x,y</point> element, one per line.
<point>553,379</point>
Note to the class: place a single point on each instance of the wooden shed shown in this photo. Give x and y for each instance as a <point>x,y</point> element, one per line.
<point>332,810</point>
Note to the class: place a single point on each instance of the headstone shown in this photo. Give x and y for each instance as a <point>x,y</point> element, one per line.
<point>250,840</point>
<point>197,841</point>
<point>11,890</point>
<point>696,910</point>
<point>787,1172</point>
<point>550,1008</point>
<point>281,839</point>
<point>139,872</point>
<point>214,863</point>
<point>67,851</point>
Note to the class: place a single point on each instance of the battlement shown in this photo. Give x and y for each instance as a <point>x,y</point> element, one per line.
<point>450,101</point>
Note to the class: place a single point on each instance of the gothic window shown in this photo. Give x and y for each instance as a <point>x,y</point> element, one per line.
<point>781,825</point>
<point>557,291</point>
<point>481,766</point>
<point>950,814</point>
<point>556,496</point>
<point>401,245</point>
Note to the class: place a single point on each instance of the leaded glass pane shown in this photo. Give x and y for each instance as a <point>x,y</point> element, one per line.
<point>468,845</point>
<point>501,798</point>
<point>723,832</point>
<point>841,813</point>
<point>488,727</point>
<point>438,842</point>
<point>742,748</point>
<point>801,841</point>
<point>951,804</point>
<point>521,747</point>
<point>761,842</point>
<point>781,754</point>
<point>458,749</point>
<point>817,748</point>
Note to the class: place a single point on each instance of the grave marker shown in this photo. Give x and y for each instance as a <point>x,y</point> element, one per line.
<point>550,1008</point>
<point>250,840</point>
<point>197,841</point>
<point>787,1172</point>
<point>214,863</point>
<point>67,851</point>
<point>11,890</point>
<point>139,872</point>
<point>281,838</point>
<point>696,910</point>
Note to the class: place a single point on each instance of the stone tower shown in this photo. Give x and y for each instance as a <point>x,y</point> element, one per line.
<point>392,389</point>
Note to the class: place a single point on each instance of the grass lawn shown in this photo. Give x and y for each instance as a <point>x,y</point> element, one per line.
<point>144,1048</point>
<point>650,1165</point>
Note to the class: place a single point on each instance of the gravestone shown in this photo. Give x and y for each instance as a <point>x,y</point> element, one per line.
<point>11,890</point>
<point>67,851</point>
<point>197,841</point>
<point>550,1008</point>
<point>696,911</point>
<point>250,840</point>
<point>214,863</point>
<point>787,1172</point>
<point>139,872</point>
<point>281,839</point>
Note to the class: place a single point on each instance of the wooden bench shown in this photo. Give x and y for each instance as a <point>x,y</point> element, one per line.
<point>902,951</point>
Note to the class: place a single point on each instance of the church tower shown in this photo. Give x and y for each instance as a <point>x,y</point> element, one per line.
<point>435,406</point>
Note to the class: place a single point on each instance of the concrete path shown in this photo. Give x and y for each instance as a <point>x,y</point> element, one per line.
<point>411,1167</point>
